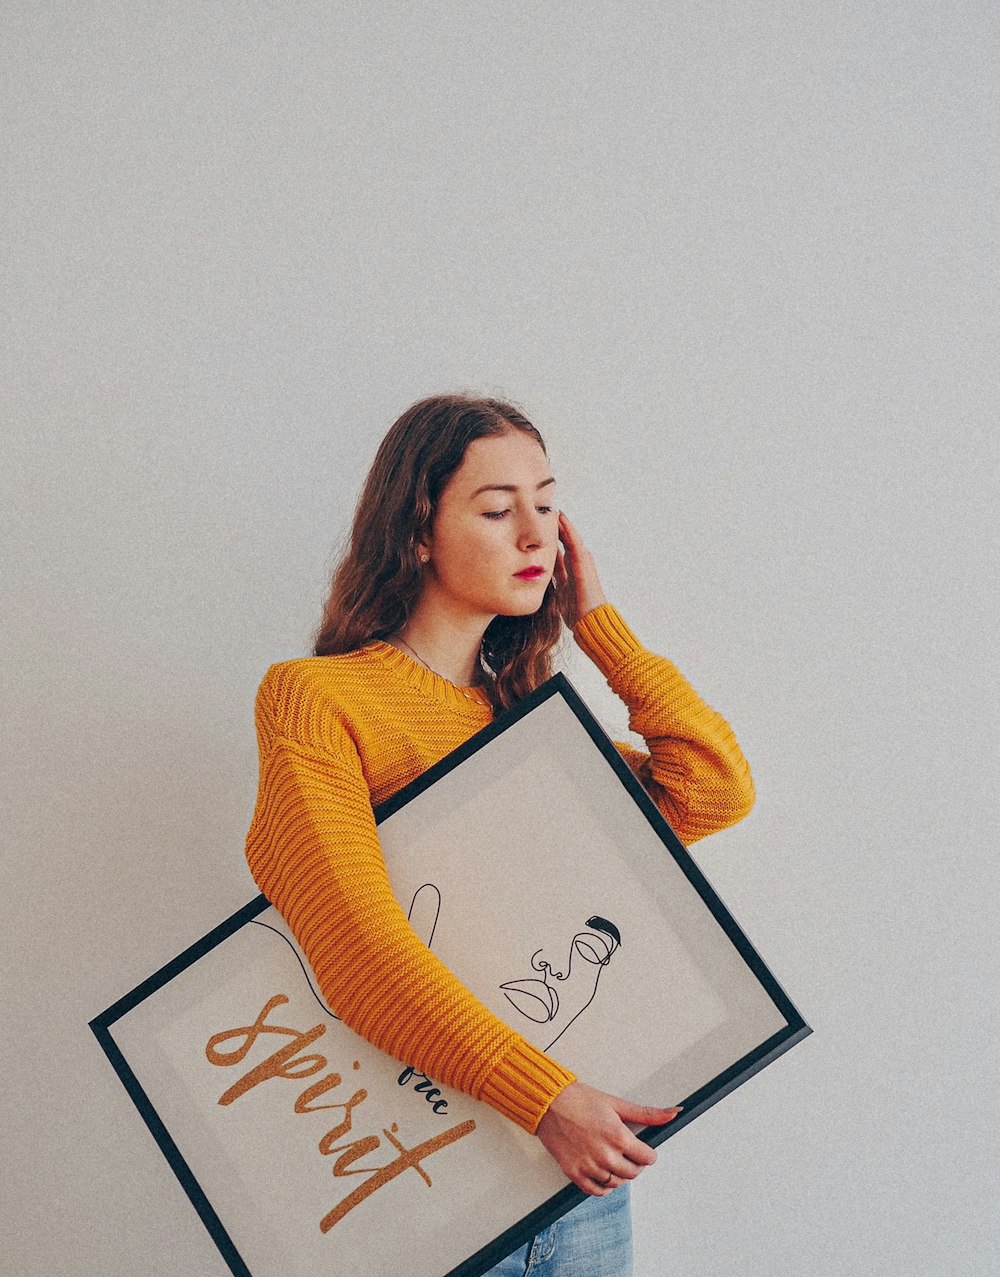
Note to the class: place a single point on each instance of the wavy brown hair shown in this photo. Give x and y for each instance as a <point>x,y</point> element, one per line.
<point>378,579</point>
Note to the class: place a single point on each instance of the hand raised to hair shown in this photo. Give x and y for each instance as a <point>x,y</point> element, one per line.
<point>585,1131</point>
<point>578,586</point>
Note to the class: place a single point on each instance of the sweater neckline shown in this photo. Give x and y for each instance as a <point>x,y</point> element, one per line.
<point>470,700</point>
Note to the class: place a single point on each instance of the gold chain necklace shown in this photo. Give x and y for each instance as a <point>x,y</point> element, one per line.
<point>458,686</point>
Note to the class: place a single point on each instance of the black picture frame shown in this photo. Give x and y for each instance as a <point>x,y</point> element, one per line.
<point>780,1024</point>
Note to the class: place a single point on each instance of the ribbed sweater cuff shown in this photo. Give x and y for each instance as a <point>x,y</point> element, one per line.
<point>605,638</point>
<point>524,1084</point>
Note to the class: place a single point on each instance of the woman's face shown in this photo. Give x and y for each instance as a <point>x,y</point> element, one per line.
<point>495,533</point>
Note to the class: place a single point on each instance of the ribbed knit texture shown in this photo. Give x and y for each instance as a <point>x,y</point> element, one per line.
<point>695,770</point>
<point>337,736</point>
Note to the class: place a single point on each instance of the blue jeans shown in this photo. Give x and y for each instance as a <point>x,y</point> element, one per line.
<point>594,1239</point>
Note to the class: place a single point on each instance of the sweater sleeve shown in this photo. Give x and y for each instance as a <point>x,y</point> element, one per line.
<point>695,770</point>
<point>313,850</point>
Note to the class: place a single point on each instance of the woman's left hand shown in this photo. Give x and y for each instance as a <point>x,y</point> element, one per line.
<point>578,587</point>
<point>587,1133</point>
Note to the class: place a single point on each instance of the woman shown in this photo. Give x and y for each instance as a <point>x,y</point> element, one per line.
<point>460,573</point>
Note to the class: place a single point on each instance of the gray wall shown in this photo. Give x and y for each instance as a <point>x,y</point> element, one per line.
<point>739,262</point>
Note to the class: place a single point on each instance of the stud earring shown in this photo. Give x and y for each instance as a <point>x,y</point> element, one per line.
<point>425,558</point>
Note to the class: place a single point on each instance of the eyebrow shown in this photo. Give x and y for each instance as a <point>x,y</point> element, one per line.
<point>509,487</point>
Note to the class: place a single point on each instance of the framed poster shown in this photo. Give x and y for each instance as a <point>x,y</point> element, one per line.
<point>536,866</point>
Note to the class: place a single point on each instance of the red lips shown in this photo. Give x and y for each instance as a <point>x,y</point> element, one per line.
<point>530,574</point>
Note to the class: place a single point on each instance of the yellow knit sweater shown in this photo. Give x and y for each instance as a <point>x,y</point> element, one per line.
<point>339,734</point>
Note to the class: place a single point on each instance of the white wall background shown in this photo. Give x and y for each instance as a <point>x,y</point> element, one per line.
<point>739,262</point>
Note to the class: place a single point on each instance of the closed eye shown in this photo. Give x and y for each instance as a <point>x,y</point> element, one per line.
<point>502,514</point>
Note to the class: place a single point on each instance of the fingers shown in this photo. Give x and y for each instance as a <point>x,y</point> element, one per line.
<point>599,1185</point>
<point>570,537</point>
<point>619,1170</point>
<point>645,1115</point>
<point>622,1168</point>
<point>620,1159</point>
<point>586,1131</point>
<point>560,572</point>
<point>565,590</point>
<point>581,571</point>
<point>568,534</point>
<point>604,1185</point>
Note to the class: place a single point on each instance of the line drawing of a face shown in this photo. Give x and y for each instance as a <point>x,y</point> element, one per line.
<point>561,995</point>
<point>557,998</point>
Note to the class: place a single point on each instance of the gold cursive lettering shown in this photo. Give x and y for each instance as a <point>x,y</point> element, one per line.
<point>351,1152</point>
<point>249,1032</point>
<point>282,1063</point>
<point>408,1159</point>
<point>304,1104</point>
<point>290,1061</point>
<point>325,1144</point>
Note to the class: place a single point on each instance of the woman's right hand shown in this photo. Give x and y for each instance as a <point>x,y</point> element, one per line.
<point>575,577</point>
<point>585,1131</point>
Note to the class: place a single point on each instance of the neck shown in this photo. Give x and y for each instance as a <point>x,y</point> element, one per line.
<point>448,645</point>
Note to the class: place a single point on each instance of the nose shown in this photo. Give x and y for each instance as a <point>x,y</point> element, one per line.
<point>542,965</point>
<point>531,533</point>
